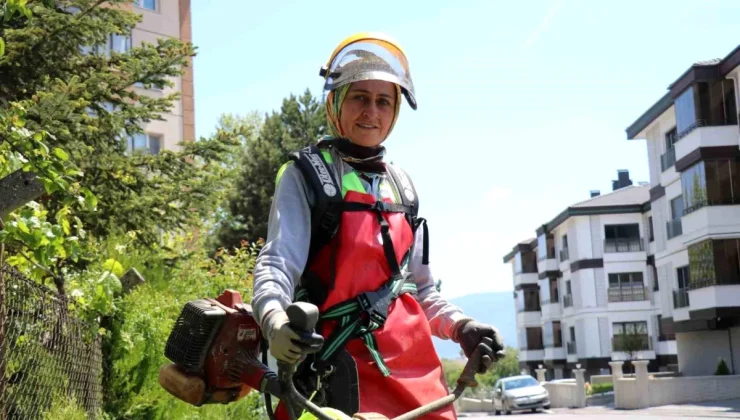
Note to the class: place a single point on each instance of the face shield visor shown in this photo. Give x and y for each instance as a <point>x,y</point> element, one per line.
<point>369,59</point>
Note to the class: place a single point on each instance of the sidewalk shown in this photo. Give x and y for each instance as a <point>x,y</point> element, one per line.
<point>715,409</point>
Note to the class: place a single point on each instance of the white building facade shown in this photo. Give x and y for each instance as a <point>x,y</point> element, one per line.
<point>586,280</point>
<point>693,145</point>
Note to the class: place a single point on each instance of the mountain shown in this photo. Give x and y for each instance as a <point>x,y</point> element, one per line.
<point>494,308</point>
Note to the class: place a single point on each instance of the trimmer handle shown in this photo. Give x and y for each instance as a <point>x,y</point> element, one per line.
<point>303,318</point>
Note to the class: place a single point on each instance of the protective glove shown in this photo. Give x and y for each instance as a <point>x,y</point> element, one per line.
<point>287,344</point>
<point>471,335</point>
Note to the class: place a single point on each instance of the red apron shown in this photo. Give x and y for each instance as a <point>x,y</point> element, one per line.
<point>405,341</point>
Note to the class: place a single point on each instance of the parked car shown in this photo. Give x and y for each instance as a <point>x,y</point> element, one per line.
<point>518,393</point>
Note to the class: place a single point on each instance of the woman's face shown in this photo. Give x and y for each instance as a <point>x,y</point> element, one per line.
<point>368,111</point>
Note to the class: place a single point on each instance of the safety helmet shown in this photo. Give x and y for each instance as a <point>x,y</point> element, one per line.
<point>369,56</point>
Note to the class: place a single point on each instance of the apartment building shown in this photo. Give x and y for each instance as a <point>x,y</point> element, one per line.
<point>585,287</point>
<point>693,145</point>
<point>164,19</point>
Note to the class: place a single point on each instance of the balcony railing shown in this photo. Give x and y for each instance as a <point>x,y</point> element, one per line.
<point>564,254</point>
<point>528,308</point>
<point>631,342</point>
<point>553,299</point>
<point>531,348</point>
<point>567,301</point>
<point>721,201</point>
<point>553,345</point>
<point>668,159</point>
<point>628,294</point>
<point>681,298</point>
<point>667,337</point>
<point>571,347</point>
<point>674,228</point>
<point>624,245</point>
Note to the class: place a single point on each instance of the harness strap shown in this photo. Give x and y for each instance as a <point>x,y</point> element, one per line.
<point>352,323</point>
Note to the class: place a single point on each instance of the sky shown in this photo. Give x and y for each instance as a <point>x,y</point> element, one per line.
<point>522,110</point>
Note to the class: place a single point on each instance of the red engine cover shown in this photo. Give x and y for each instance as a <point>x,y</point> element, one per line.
<point>233,359</point>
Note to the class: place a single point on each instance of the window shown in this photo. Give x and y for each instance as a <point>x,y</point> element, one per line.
<point>545,247</point>
<point>617,280</point>
<point>713,182</point>
<point>639,327</point>
<point>150,143</point>
<point>668,159</point>
<point>630,336</point>
<point>623,238</point>
<point>567,288</point>
<point>554,292</point>
<point>674,227</point>
<point>564,255</point>
<point>572,331</point>
<point>685,111</point>
<point>553,335</point>
<point>656,283</point>
<point>671,138</point>
<point>666,331</point>
<point>531,299</point>
<point>534,338</point>
<point>147,4</point>
<point>714,262</point>
<point>694,187</point>
<point>682,275</point>
<point>650,225</point>
<point>706,103</point>
<point>626,287</point>
<point>117,43</point>
<point>557,334</point>
<point>529,261</point>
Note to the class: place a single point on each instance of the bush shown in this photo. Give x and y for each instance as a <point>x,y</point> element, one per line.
<point>722,368</point>
<point>595,389</point>
<point>138,332</point>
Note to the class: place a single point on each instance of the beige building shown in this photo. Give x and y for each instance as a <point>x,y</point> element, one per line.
<point>165,18</point>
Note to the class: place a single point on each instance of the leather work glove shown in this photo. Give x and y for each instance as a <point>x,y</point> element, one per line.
<point>471,335</point>
<point>287,344</point>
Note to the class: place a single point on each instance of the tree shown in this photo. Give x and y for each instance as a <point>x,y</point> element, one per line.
<point>84,98</point>
<point>300,122</point>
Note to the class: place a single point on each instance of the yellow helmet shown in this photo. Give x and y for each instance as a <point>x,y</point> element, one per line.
<point>369,56</point>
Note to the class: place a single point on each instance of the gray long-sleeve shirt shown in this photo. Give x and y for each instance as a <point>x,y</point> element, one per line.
<point>281,262</point>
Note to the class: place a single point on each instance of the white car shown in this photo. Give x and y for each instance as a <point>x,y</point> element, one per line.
<point>518,393</point>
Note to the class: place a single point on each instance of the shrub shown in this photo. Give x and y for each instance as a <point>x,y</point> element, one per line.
<point>722,368</point>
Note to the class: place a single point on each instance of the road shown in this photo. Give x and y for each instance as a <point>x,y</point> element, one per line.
<point>726,409</point>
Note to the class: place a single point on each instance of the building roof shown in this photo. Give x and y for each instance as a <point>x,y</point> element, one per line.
<point>712,69</point>
<point>630,199</point>
<point>630,195</point>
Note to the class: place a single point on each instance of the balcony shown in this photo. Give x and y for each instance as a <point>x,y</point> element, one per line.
<point>554,351</point>
<point>530,355</point>
<point>630,343</point>
<point>528,308</point>
<point>628,294</point>
<point>564,255</point>
<point>681,298</point>
<point>567,301</point>
<point>710,222</point>
<point>571,347</point>
<point>624,245</point>
<point>674,228</point>
<point>668,160</point>
<point>525,278</point>
<point>705,136</point>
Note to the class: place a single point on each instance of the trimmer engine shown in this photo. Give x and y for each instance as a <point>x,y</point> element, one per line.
<point>215,345</point>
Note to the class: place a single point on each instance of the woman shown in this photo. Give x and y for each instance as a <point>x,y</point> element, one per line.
<point>369,274</point>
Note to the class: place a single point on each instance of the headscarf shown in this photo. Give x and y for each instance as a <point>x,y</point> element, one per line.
<point>334,101</point>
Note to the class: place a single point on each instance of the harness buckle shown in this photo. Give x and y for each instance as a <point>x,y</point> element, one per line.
<point>376,303</point>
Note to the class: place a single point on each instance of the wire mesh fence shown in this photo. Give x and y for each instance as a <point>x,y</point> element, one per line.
<point>47,355</point>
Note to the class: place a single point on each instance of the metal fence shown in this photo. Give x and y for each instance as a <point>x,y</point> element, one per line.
<point>46,353</point>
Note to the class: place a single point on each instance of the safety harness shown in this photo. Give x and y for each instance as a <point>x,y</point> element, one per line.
<point>359,317</point>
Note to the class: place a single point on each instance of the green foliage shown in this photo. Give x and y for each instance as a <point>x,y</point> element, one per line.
<point>300,122</point>
<point>508,366</point>
<point>594,389</point>
<point>138,335</point>
<point>64,407</point>
<point>722,368</point>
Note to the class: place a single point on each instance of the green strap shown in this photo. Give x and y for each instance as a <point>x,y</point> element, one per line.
<point>351,325</point>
